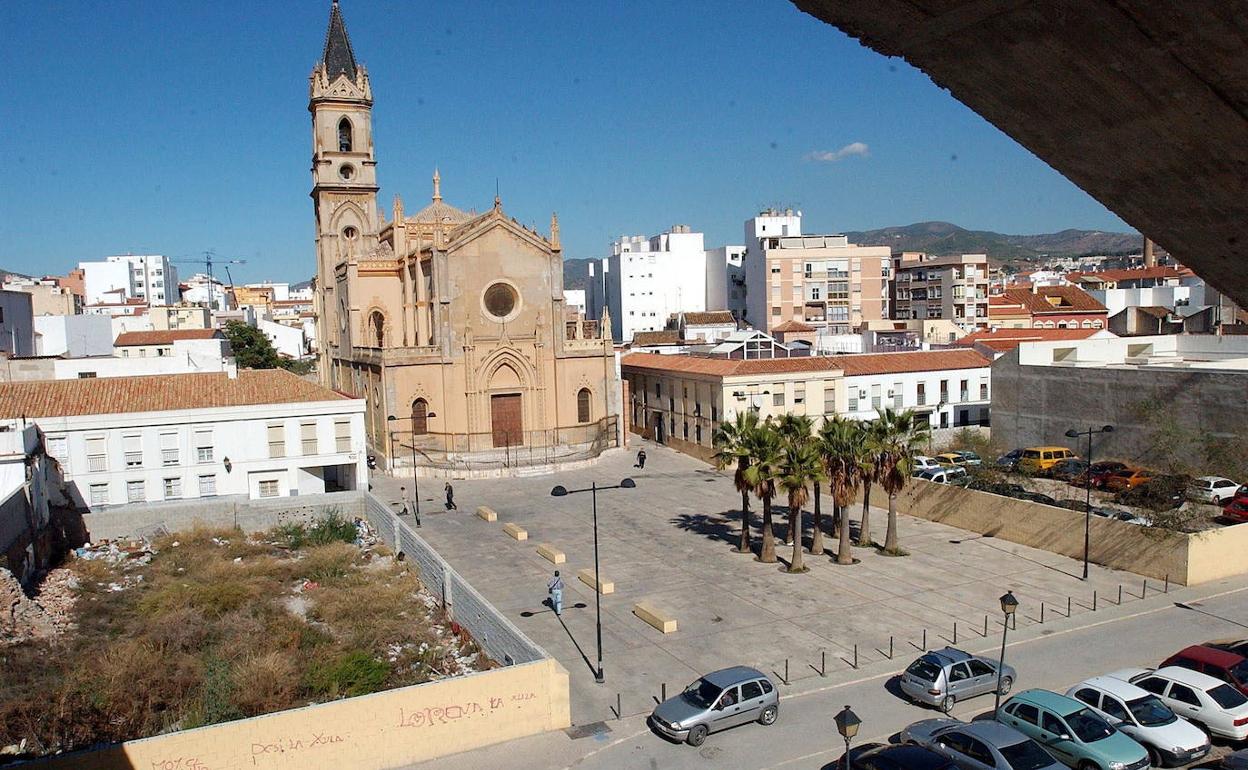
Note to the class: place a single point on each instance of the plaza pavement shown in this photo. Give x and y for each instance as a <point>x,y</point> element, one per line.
<point>669,542</point>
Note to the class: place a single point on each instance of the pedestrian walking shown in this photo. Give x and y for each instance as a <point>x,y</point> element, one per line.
<point>555,588</point>
<point>450,497</point>
<point>406,505</point>
<point>641,458</point>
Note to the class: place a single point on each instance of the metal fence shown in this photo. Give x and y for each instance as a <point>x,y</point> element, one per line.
<point>501,450</point>
<point>497,635</point>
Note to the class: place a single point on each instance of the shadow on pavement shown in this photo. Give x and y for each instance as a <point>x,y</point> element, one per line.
<point>724,527</point>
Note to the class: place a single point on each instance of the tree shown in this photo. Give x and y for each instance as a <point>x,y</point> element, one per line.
<point>870,460</point>
<point>840,442</point>
<point>252,350</point>
<point>800,465</point>
<point>901,435</point>
<point>764,447</point>
<point>732,446</point>
<point>800,428</point>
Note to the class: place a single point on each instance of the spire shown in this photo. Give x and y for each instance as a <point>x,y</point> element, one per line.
<point>554,232</point>
<point>437,185</point>
<point>338,57</point>
<point>398,209</point>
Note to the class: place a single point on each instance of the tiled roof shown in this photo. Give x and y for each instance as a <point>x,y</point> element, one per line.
<point>665,337</point>
<point>793,326</point>
<point>156,393</point>
<point>851,365</point>
<point>1003,340</point>
<point>710,317</point>
<point>1071,299</point>
<point>165,337</point>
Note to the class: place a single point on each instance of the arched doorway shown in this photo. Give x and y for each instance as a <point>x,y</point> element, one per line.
<point>420,417</point>
<point>377,323</point>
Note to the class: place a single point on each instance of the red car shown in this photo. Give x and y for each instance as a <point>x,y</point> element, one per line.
<point>1236,511</point>
<point>1219,664</point>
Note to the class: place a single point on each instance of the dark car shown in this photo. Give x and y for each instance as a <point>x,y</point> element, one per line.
<point>1036,497</point>
<point>1069,469</point>
<point>1097,473</point>
<point>1237,646</point>
<point>1159,493</point>
<point>888,756</point>
<point>996,487</point>
<point>1009,460</point>
<point>1229,667</point>
<point>1075,505</point>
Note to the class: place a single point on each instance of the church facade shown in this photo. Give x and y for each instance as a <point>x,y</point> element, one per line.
<point>450,323</point>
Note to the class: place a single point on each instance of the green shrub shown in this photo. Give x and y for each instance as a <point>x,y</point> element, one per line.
<point>355,673</point>
<point>293,536</point>
<point>331,529</point>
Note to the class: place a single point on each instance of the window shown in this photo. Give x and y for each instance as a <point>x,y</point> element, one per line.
<point>751,690</point>
<point>133,447</point>
<point>964,391</point>
<point>1089,696</point>
<point>99,494</point>
<point>1113,708</point>
<point>980,668</point>
<point>97,455</point>
<point>135,492</point>
<point>342,436</point>
<point>173,488</point>
<point>777,398</point>
<point>1053,724</point>
<point>1027,713</point>
<point>959,672</point>
<point>344,135</point>
<point>169,449</point>
<point>203,446</point>
<point>269,488</point>
<point>829,399</point>
<point>922,393</point>
<point>377,322</point>
<point>898,391</point>
<point>59,449</point>
<point>853,399</point>
<point>1184,694</point>
<point>207,486</point>
<point>799,393</point>
<point>983,391</point>
<point>277,440</point>
<point>582,404</point>
<point>86,375</point>
<point>944,391</point>
<point>307,438</point>
<point>875,397</point>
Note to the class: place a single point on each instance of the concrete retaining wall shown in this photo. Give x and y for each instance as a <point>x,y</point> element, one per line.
<point>373,732</point>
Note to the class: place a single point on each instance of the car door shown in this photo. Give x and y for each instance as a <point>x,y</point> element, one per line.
<point>1023,717</point>
<point>983,677</point>
<point>727,710</point>
<point>751,701</point>
<point>960,686</point>
<point>963,750</point>
<point>1052,728</point>
<point>1184,701</point>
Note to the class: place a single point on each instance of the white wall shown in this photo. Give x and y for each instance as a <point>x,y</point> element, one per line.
<point>865,387</point>
<point>287,340</point>
<point>574,299</point>
<point>725,277</point>
<point>649,279</point>
<point>111,366</point>
<point>76,336</point>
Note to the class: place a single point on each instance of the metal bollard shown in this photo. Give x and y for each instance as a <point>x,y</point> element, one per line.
<point>925,640</point>
<point>823,663</point>
<point>955,632</point>
<point>890,648</point>
<point>664,690</point>
<point>786,671</point>
<point>855,656</point>
<point>1144,590</point>
<point>1067,606</point>
<point>1166,589</point>
<point>985,626</point>
<point>1120,594</point>
<point>618,710</point>
<point>1042,613</point>
<point>1094,601</point>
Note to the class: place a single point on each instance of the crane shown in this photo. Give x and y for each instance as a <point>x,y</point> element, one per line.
<point>210,256</point>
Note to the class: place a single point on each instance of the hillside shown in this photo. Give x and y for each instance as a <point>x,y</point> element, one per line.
<point>946,238</point>
<point>575,273</point>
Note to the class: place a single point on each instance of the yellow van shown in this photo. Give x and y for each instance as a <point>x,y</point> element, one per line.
<point>1038,459</point>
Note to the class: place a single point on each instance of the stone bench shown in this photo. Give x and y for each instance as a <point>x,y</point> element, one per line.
<point>587,577</point>
<point>662,621</point>
<point>516,531</point>
<point>487,513</point>
<point>551,553</point>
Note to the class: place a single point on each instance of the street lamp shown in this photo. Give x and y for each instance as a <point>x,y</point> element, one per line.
<point>847,723</point>
<point>562,491</point>
<point>1087,487</point>
<point>1008,606</point>
<point>415,478</point>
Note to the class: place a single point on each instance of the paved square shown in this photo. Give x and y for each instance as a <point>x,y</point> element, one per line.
<point>669,542</point>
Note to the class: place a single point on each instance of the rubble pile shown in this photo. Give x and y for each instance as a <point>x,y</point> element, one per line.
<point>49,612</point>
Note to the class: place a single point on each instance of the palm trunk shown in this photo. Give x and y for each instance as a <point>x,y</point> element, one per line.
<point>890,538</point>
<point>864,526</point>
<point>843,553</point>
<point>743,545</point>
<point>816,538</point>
<point>836,516</point>
<point>795,534</point>
<point>768,552</point>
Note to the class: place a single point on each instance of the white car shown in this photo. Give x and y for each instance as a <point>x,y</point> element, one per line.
<point>1212,489</point>
<point>922,463</point>
<point>1211,703</point>
<point>1169,739</point>
<point>944,475</point>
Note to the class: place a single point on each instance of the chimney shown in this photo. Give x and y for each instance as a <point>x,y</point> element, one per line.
<point>1150,260</point>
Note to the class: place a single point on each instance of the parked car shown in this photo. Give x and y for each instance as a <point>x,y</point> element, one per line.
<point>1009,460</point>
<point>1237,646</point>
<point>1036,497</point>
<point>1230,667</point>
<point>1127,516</point>
<point>969,458</point>
<point>945,475</point>
<point>719,700</point>
<point>958,459</point>
<point>1097,473</point>
<point>1160,493</point>
<point>1169,739</point>
<point>1236,511</point>
<point>1128,478</point>
<point>943,677</point>
<point>996,487</point>
<point>1210,703</point>
<point>1212,489</point>
<point>1038,459</point>
<point>1072,732</point>
<point>893,756</point>
<point>922,463</point>
<point>981,745</point>
<point>1075,505</point>
<point>1067,470</point>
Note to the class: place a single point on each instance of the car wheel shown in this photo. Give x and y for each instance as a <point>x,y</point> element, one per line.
<point>1086,765</point>
<point>697,736</point>
<point>1006,684</point>
<point>1154,757</point>
<point>768,717</point>
<point>947,704</point>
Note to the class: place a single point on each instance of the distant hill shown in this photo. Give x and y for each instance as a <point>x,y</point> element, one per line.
<point>4,272</point>
<point>945,238</point>
<point>575,273</point>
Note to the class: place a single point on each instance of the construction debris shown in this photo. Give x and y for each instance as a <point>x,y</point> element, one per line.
<point>43,615</point>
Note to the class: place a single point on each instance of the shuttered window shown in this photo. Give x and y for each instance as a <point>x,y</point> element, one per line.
<point>277,441</point>
<point>307,437</point>
<point>203,446</point>
<point>168,449</point>
<point>97,454</point>
<point>133,447</point>
<point>342,436</point>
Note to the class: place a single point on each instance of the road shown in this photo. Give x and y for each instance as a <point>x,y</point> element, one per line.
<point>805,736</point>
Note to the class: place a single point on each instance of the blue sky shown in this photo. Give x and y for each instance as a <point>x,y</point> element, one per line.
<point>175,126</point>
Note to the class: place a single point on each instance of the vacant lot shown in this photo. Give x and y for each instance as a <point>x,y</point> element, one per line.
<point>214,626</point>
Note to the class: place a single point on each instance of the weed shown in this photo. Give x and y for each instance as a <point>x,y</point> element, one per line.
<point>355,673</point>
<point>331,529</point>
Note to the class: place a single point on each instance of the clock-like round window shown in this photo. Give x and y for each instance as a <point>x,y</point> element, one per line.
<point>500,300</point>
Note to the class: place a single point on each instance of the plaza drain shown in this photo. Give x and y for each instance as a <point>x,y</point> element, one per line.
<point>587,730</point>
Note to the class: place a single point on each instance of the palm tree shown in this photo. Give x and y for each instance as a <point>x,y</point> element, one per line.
<point>799,466</point>
<point>765,454</point>
<point>841,442</point>
<point>732,442</point>
<point>870,458</point>
<point>797,427</point>
<point>901,436</point>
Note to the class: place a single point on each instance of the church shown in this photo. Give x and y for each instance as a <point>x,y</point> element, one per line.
<point>450,323</point>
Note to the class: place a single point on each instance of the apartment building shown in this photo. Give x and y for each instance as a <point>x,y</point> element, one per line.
<point>646,280</point>
<point>951,287</point>
<point>820,280</point>
<point>47,296</point>
<point>725,280</point>
<point>151,278</point>
<point>1046,307</point>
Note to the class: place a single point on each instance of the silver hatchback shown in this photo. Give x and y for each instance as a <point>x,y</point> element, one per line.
<point>719,700</point>
<point>941,678</point>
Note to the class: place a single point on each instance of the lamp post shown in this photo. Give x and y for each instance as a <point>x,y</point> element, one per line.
<point>415,478</point>
<point>562,491</point>
<point>1008,606</point>
<point>1087,487</point>
<point>847,723</point>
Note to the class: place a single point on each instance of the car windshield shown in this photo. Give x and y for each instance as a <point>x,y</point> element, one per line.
<point>1025,756</point>
<point>924,669</point>
<point>1227,697</point>
<point>701,693</point>
<point>1087,726</point>
<point>1031,454</point>
<point>1151,712</point>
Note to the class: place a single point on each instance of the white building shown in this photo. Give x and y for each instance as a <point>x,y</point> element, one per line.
<point>645,280</point>
<point>197,349</point>
<point>574,301</point>
<point>202,290</point>
<point>74,336</point>
<point>17,324</point>
<point>280,290</point>
<point>725,280</point>
<point>151,278</point>
<point>259,433</point>
<point>288,341</point>
<point>949,387</point>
